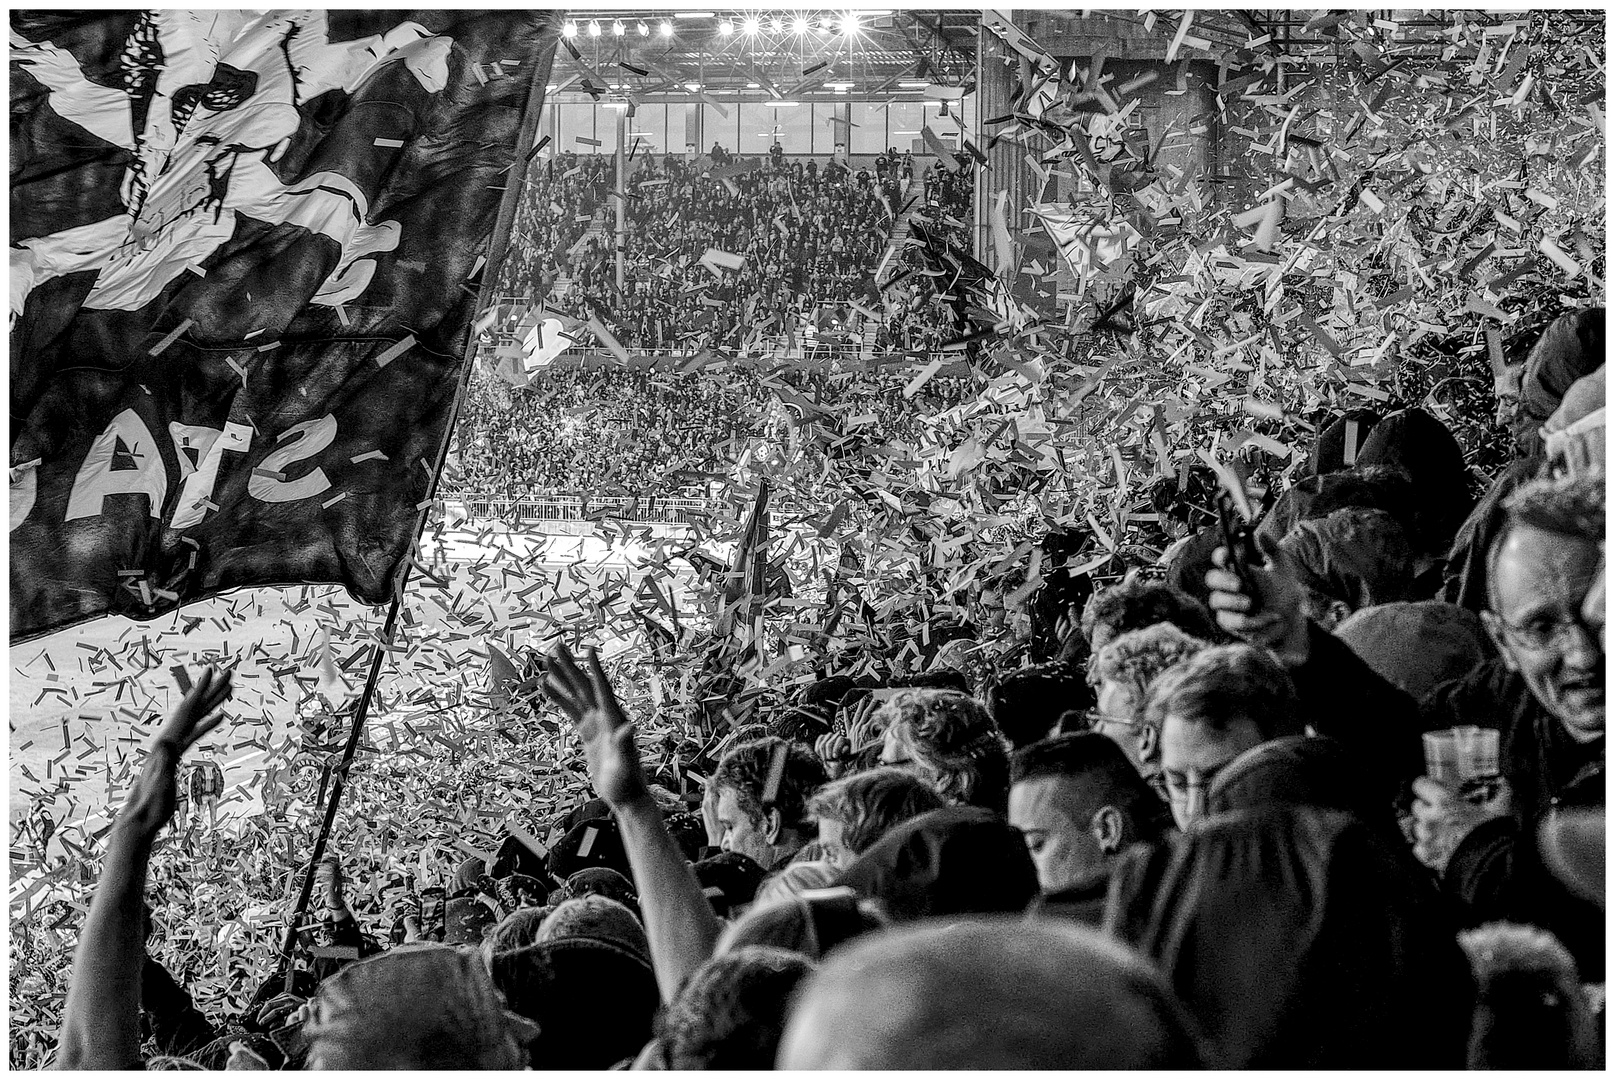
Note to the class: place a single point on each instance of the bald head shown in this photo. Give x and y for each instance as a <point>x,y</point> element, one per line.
<point>997,994</point>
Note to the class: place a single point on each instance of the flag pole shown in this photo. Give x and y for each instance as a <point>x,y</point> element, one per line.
<point>339,778</point>
<point>515,184</point>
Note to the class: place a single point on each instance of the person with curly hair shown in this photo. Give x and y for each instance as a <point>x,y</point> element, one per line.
<point>1121,674</point>
<point>949,740</point>
<point>1137,602</point>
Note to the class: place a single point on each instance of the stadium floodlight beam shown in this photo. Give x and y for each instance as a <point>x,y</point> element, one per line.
<point>616,27</point>
<point>750,26</point>
<point>800,25</point>
<point>644,31</point>
<point>726,28</point>
<point>776,24</point>
<point>594,28</point>
<point>850,24</point>
<point>570,29</point>
<point>667,28</point>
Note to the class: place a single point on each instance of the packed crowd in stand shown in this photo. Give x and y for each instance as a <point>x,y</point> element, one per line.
<point>1325,793</point>
<point>810,234</point>
<point>562,198</point>
<point>615,431</point>
<point>577,433</point>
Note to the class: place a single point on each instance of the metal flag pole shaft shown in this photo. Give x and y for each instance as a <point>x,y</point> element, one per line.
<point>620,231</point>
<point>339,777</point>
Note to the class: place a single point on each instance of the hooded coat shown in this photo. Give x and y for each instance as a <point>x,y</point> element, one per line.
<point>1296,930</point>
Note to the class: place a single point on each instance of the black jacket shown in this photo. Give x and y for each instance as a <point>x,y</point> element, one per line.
<point>1345,699</point>
<point>1498,872</point>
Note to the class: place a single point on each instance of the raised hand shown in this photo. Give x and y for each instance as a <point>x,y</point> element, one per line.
<point>153,796</point>
<point>863,728</point>
<point>608,737</point>
<point>1275,618</point>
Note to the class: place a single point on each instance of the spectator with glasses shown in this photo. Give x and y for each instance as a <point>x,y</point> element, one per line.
<point>1210,710</point>
<point>1121,674</point>
<point>1545,691</point>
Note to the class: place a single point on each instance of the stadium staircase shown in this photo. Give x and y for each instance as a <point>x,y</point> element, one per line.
<point>898,236</point>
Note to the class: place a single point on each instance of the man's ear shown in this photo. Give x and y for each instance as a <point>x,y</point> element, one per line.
<point>1107,826</point>
<point>773,825</point>
<point>1147,737</point>
<point>1494,630</point>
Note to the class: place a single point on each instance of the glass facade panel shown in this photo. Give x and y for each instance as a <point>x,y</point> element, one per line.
<point>903,120</point>
<point>576,122</point>
<point>650,130</point>
<point>756,125</point>
<point>795,128</point>
<point>869,132</point>
<point>678,118</point>
<point>715,127</point>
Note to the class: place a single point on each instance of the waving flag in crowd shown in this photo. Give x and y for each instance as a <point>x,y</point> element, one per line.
<point>247,249</point>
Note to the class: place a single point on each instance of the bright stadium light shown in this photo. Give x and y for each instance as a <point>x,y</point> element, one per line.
<point>800,26</point>
<point>750,26</point>
<point>849,25</point>
<point>776,24</point>
<point>726,28</point>
<point>644,31</point>
<point>667,28</point>
<point>616,27</point>
<point>570,29</point>
<point>594,28</point>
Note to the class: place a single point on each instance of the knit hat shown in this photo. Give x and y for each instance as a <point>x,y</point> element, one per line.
<point>424,1007</point>
<point>1417,646</point>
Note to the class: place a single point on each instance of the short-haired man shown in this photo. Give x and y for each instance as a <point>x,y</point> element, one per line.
<point>857,810</point>
<point>763,788</point>
<point>1122,674</point>
<point>1545,691</point>
<point>1080,803</point>
<point>1211,709</point>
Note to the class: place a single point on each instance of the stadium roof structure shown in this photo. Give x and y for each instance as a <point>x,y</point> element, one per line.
<point>728,55</point>
<point>724,55</point>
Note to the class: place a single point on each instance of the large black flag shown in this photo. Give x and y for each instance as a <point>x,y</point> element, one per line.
<point>247,249</point>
